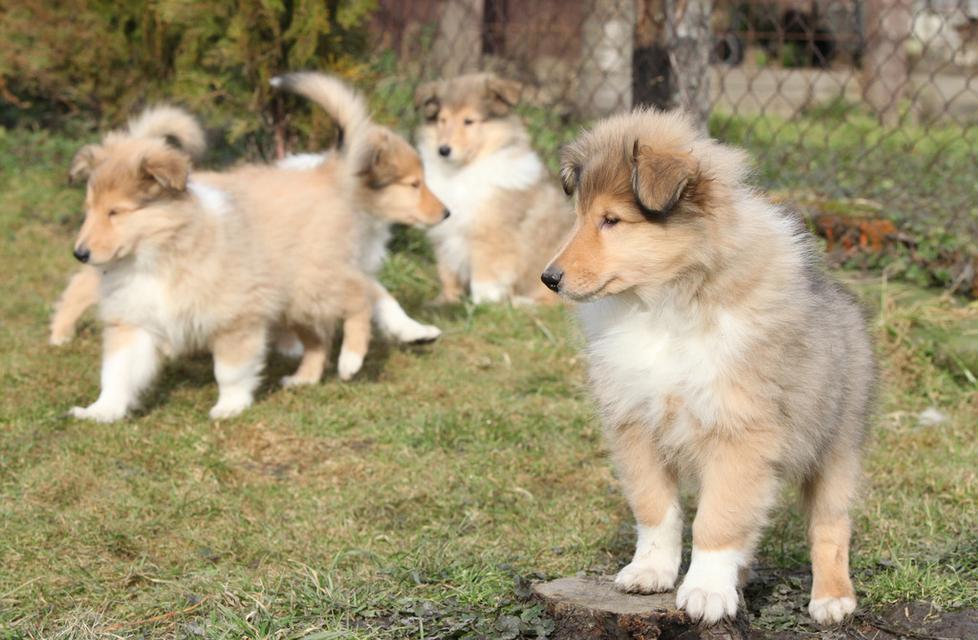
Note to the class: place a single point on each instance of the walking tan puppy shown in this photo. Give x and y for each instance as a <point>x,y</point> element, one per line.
<point>182,267</point>
<point>507,215</point>
<point>164,123</point>
<point>719,350</point>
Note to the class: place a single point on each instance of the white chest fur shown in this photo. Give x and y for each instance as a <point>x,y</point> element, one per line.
<point>465,190</point>
<point>646,364</point>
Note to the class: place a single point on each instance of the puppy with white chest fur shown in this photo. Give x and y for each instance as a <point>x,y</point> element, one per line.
<point>507,214</point>
<point>179,265</point>
<point>719,350</point>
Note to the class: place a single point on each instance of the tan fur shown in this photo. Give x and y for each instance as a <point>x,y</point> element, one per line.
<point>310,231</point>
<point>718,348</point>
<point>504,225</point>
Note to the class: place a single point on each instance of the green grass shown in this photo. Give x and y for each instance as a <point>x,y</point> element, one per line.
<point>410,503</point>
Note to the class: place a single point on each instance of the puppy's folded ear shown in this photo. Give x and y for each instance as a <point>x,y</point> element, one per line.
<point>83,162</point>
<point>167,167</point>
<point>380,169</point>
<point>659,179</point>
<point>570,176</point>
<point>502,95</point>
<point>426,99</point>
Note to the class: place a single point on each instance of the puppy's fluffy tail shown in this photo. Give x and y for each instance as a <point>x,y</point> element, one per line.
<point>173,124</point>
<point>346,106</point>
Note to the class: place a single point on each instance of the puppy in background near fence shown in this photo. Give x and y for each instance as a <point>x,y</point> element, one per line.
<point>719,350</point>
<point>507,216</point>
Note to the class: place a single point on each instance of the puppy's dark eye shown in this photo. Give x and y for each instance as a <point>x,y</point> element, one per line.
<point>608,221</point>
<point>112,213</point>
<point>416,184</point>
<point>468,121</point>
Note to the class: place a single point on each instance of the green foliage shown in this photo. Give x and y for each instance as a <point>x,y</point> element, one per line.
<point>110,57</point>
<point>919,177</point>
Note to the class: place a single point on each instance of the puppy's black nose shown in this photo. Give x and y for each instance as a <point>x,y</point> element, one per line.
<point>445,213</point>
<point>82,254</point>
<point>444,151</point>
<point>551,277</point>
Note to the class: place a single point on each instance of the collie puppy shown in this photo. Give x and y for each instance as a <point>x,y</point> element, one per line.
<point>719,350</point>
<point>393,191</point>
<point>183,267</point>
<point>313,217</point>
<point>165,123</point>
<point>507,216</point>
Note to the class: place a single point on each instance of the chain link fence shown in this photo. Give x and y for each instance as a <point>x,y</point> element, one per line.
<point>864,109</point>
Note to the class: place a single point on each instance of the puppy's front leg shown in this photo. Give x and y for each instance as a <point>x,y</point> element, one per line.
<point>81,293</point>
<point>737,488</point>
<point>392,319</point>
<point>129,363</point>
<point>356,340</point>
<point>239,357</point>
<point>652,491</point>
<point>451,284</point>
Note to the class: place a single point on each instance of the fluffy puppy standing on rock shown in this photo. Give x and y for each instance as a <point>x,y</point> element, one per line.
<point>507,215</point>
<point>718,350</point>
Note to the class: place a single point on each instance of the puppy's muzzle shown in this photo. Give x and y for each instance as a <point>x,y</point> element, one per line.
<point>82,254</point>
<point>552,277</point>
<point>445,214</point>
<point>444,151</point>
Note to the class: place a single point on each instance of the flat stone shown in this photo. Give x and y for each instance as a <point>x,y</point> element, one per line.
<point>590,608</point>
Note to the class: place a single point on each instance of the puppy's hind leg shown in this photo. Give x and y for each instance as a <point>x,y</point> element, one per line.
<point>315,353</point>
<point>129,364</point>
<point>239,357</point>
<point>828,496</point>
<point>79,295</point>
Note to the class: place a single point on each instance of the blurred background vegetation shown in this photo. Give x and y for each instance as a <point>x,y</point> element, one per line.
<point>102,60</point>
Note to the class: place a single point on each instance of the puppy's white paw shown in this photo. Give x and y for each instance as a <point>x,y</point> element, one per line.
<point>295,381</point>
<point>709,603</point>
<point>60,339</point>
<point>289,345</point>
<point>648,575</point>
<point>349,364</point>
<point>831,610</point>
<point>488,292</point>
<point>229,408</point>
<point>99,412</point>
<point>709,590</point>
<point>418,333</point>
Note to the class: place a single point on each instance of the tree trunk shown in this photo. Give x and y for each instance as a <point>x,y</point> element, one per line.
<point>457,47</point>
<point>652,77</point>
<point>688,43</point>
<point>607,37</point>
<point>885,74</point>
